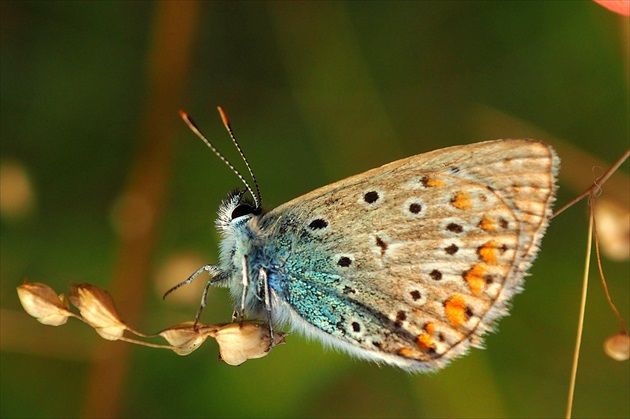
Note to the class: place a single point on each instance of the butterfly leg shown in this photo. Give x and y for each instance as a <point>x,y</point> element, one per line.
<point>240,314</point>
<point>216,276</point>
<point>213,270</point>
<point>264,280</point>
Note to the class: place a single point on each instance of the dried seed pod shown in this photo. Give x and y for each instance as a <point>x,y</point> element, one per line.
<point>239,342</point>
<point>618,347</point>
<point>185,338</point>
<point>43,303</point>
<point>98,310</point>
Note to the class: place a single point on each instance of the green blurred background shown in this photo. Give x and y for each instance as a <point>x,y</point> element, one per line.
<point>315,92</point>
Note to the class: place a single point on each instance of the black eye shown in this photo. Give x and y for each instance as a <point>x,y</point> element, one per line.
<point>241,210</point>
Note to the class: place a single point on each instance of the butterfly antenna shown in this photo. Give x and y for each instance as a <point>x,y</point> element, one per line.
<point>194,128</point>
<point>228,127</point>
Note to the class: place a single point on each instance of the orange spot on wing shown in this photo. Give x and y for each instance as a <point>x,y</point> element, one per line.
<point>487,252</point>
<point>475,278</point>
<point>487,224</point>
<point>431,182</point>
<point>405,352</point>
<point>455,308</point>
<point>424,342</point>
<point>461,200</point>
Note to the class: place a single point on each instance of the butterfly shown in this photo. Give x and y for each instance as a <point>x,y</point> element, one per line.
<point>408,264</point>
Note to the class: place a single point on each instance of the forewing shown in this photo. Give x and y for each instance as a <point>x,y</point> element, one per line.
<point>413,261</point>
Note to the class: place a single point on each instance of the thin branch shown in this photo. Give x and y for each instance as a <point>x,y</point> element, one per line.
<point>596,185</point>
<point>601,271</point>
<point>578,343</point>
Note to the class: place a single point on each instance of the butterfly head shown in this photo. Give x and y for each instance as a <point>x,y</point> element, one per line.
<point>237,223</point>
<point>236,209</point>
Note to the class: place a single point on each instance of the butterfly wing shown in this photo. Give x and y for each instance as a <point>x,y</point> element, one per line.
<point>412,262</point>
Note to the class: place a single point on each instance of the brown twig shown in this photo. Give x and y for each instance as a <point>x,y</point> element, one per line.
<point>622,324</point>
<point>169,59</point>
<point>578,342</point>
<point>596,185</point>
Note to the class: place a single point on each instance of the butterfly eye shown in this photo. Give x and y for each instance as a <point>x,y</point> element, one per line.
<point>241,210</point>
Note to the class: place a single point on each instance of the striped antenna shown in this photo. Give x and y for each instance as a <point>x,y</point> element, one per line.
<point>194,128</point>
<point>228,127</point>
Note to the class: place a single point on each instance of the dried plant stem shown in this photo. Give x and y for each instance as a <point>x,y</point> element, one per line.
<point>143,343</point>
<point>578,343</point>
<point>592,229</point>
<point>596,185</point>
<point>142,335</point>
<point>613,307</point>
